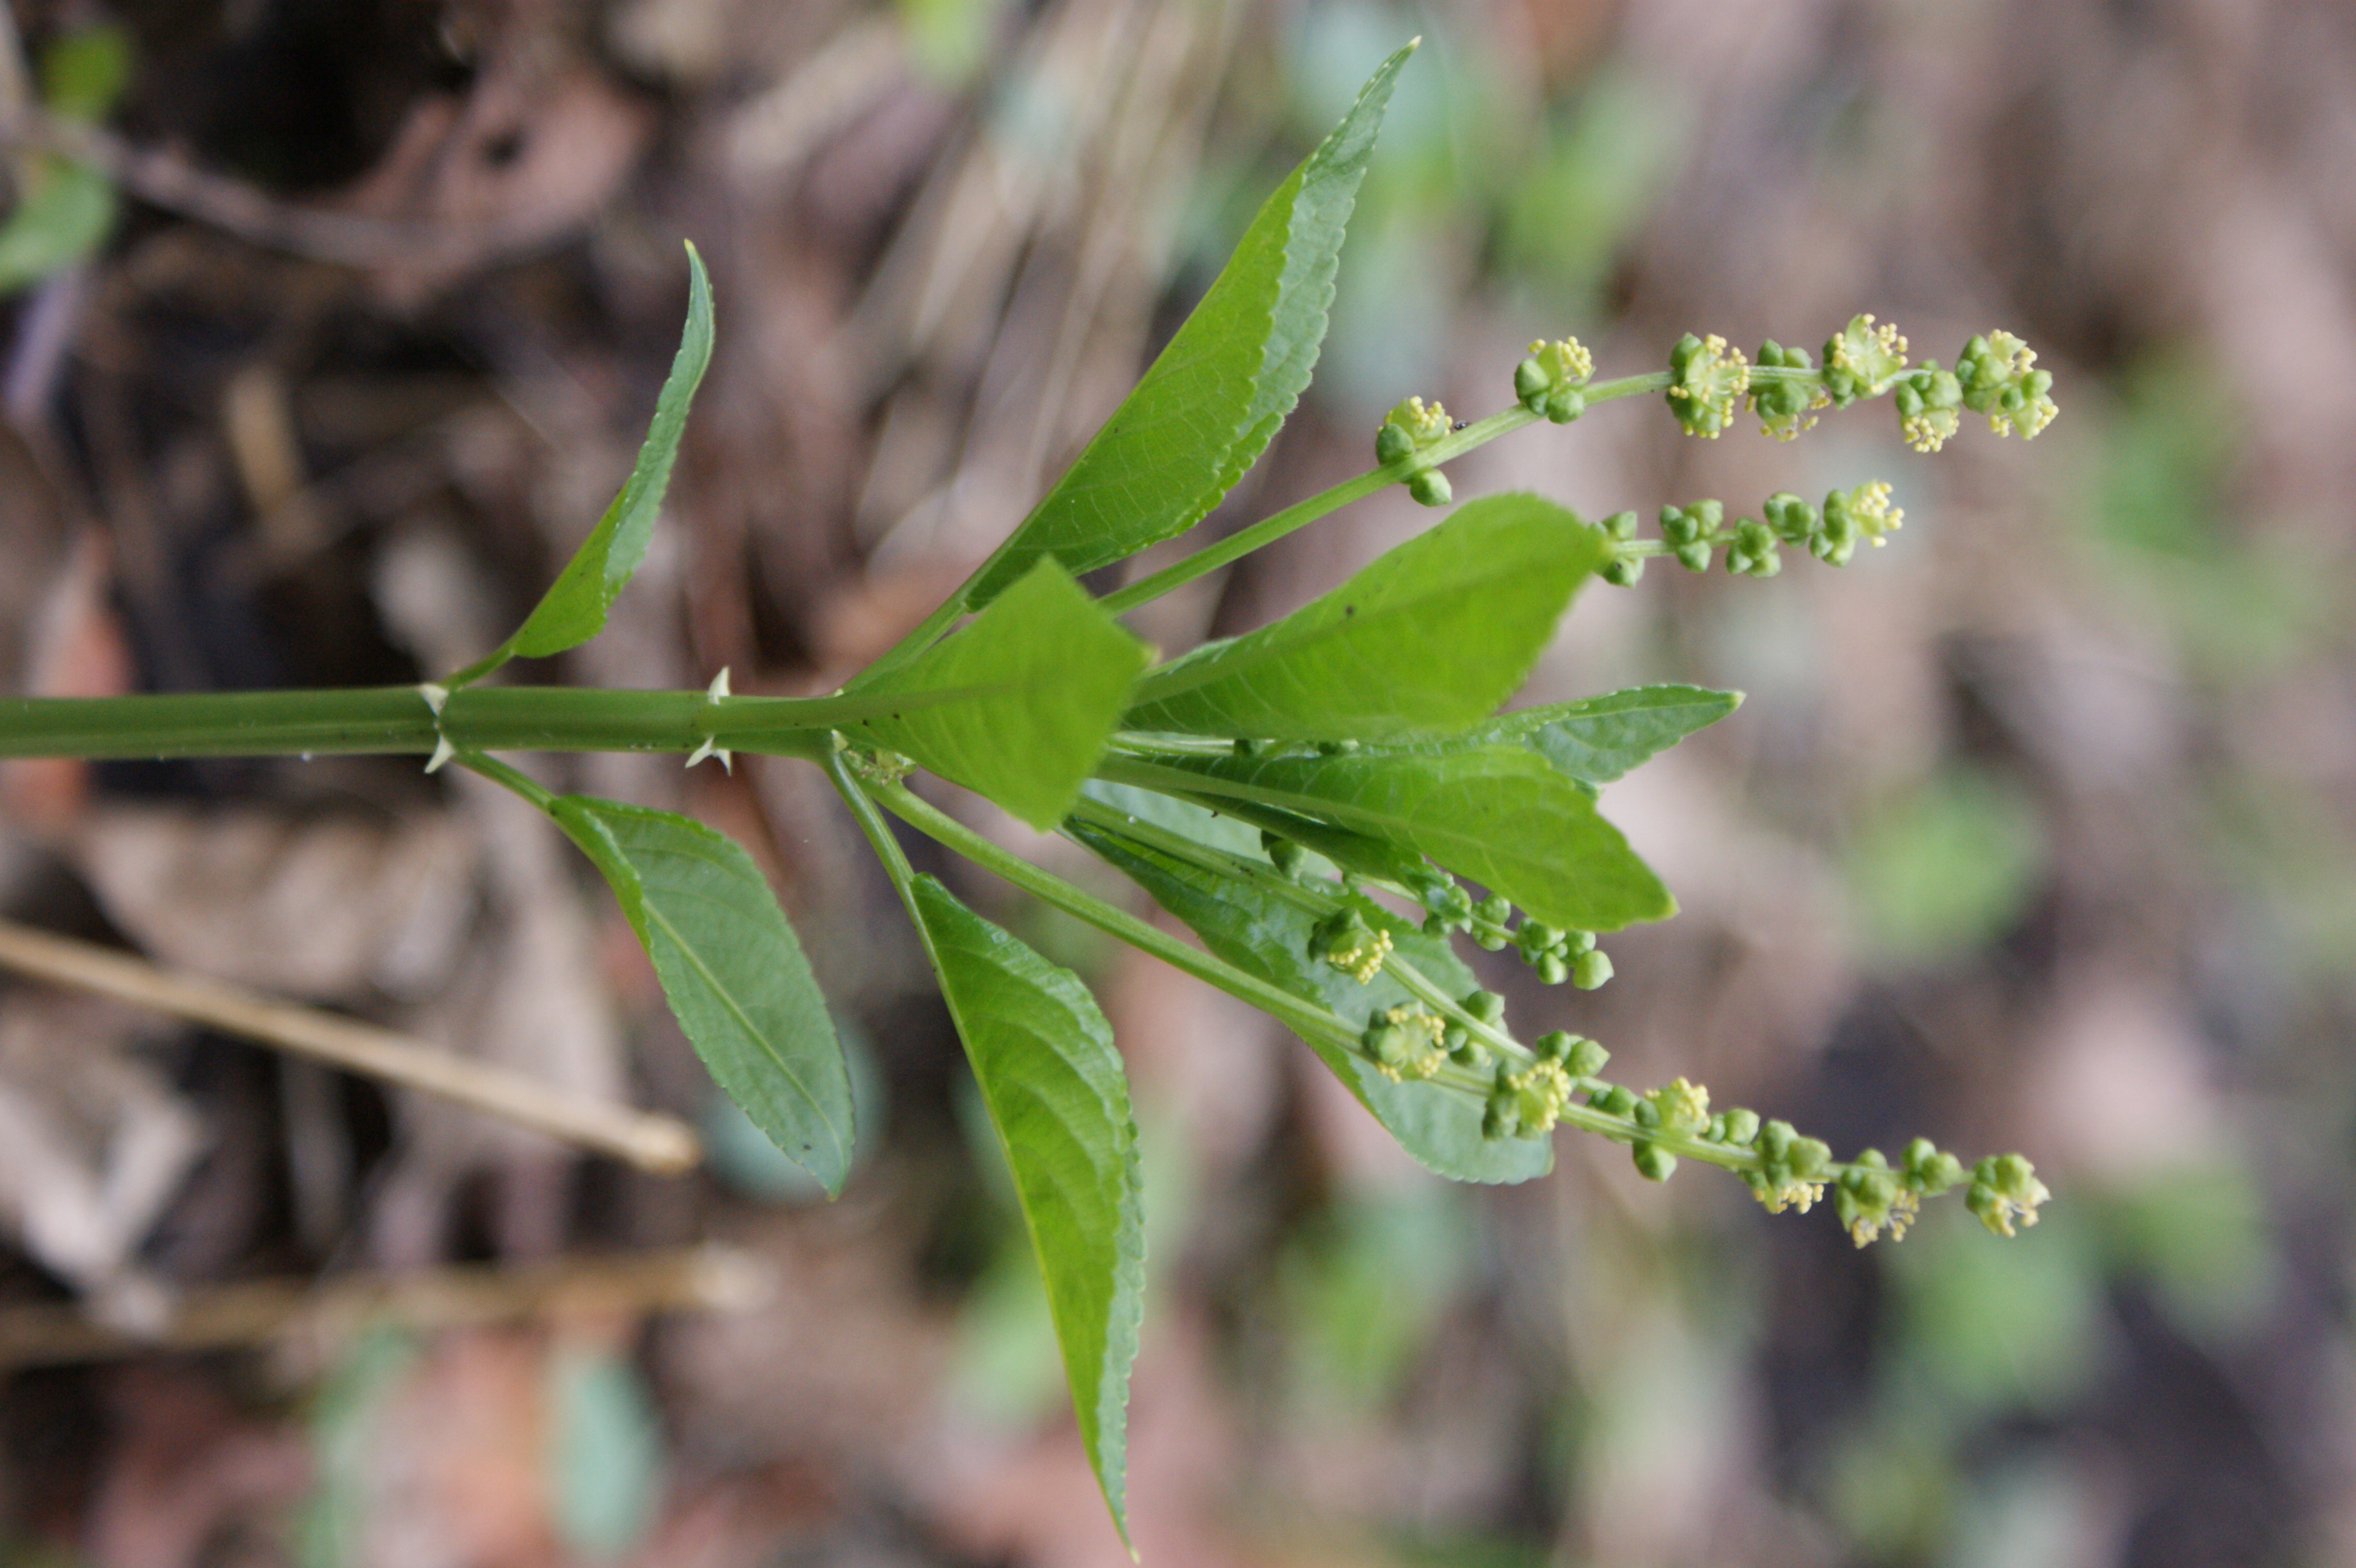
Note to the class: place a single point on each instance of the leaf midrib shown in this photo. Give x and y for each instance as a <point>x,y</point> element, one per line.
<point>760,1037</point>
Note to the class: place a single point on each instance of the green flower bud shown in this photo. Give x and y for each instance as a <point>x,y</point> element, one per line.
<point>1653,1162</point>
<point>1927,398</point>
<point>1694,557</point>
<point>1784,408</point>
<point>1498,1120</point>
<point>1622,571</point>
<point>1794,521</point>
<point>1448,904</point>
<point>1547,382</point>
<point>1536,938</point>
<point>1552,969</point>
<point>1393,445</point>
<point>1407,1042</point>
<point>1861,360</point>
<point>1586,1058</point>
<point>1753,552</point>
<point>1707,379</point>
<point>1837,544</point>
<point>1540,1091</point>
<point>2026,408</point>
<point>2005,1193</point>
<point>1590,969</point>
<point>1741,1127</point>
<point>1620,525</point>
<point>1344,940</point>
<point>1614,1101</point>
<point>1531,385</point>
<point>1282,852</point>
<point>1868,1199</point>
<point>1575,943</point>
<point>1931,1170</point>
<point>1485,1006</point>
<point>1790,1168</point>
<point>1862,512</point>
<point>1997,379</point>
<point>1555,1045</point>
<point>1686,525</point>
<point>1679,1105</point>
<point>1430,488</point>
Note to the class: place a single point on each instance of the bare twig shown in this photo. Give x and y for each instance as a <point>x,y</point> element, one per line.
<point>662,1144</point>
<point>709,1278</point>
<point>169,181</point>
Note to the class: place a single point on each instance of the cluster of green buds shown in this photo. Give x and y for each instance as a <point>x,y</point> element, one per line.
<point>1408,1041</point>
<point>1785,407</point>
<point>1692,533</point>
<point>1689,531</point>
<point>1557,953</point>
<point>1623,569</point>
<point>1869,1197</point>
<point>1862,360</point>
<point>2005,1193</point>
<point>1344,940</point>
<point>1997,376</point>
<point>1462,1047</point>
<point>1408,430</point>
<point>1706,383</point>
<point>1525,1101</point>
<point>1927,398</point>
<point>1550,381</point>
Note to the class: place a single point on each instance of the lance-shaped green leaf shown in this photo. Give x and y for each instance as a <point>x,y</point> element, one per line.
<point>1267,935</point>
<point>574,610</point>
<point>1044,1056</point>
<point>1597,739</point>
<point>1017,705</point>
<point>732,971</point>
<point>1358,853</point>
<point>1213,397</point>
<point>1430,637</point>
<point>1499,815</point>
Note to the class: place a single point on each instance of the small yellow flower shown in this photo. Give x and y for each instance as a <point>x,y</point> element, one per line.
<point>1363,958</point>
<point>1540,1091</point>
<point>1419,1048</point>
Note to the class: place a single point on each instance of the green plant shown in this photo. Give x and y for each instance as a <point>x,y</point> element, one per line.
<point>1283,793</point>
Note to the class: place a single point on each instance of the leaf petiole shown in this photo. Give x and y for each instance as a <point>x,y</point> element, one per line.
<point>1301,1017</point>
<point>1299,515</point>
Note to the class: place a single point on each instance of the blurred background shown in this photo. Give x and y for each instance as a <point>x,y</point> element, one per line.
<point>2038,829</point>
